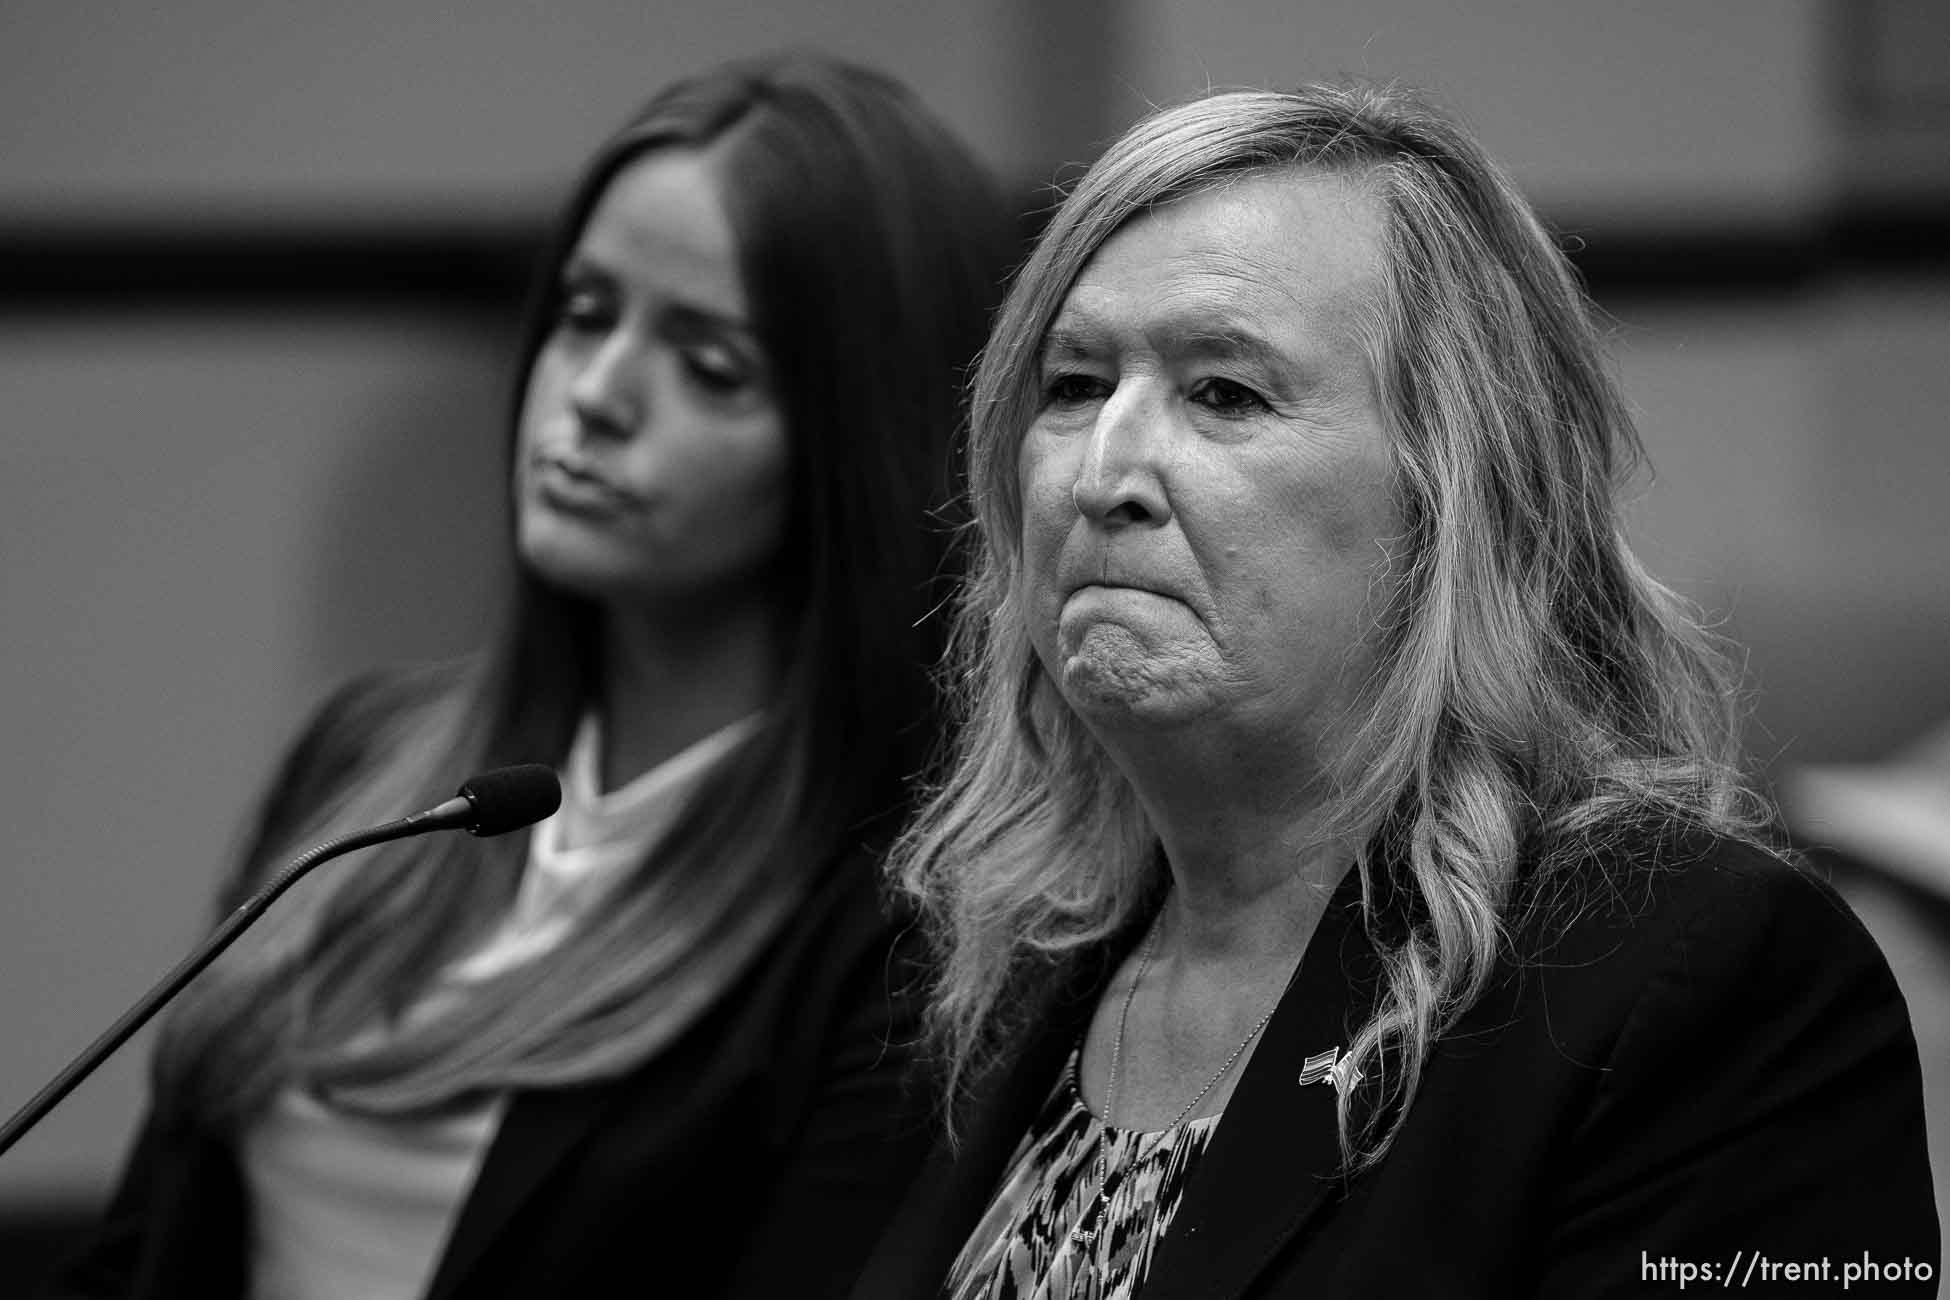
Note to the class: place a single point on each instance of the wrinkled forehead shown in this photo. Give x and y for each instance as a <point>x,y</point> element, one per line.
<point>1278,250</point>
<point>1285,268</point>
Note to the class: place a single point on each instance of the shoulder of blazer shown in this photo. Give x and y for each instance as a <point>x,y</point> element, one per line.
<point>1706,987</point>
<point>331,748</point>
<point>1675,989</point>
<point>1680,900</point>
<point>1596,940</point>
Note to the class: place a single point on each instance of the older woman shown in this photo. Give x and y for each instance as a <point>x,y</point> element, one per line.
<point>1344,883</point>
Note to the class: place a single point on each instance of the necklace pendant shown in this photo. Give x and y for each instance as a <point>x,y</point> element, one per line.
<point>1092,1223</point>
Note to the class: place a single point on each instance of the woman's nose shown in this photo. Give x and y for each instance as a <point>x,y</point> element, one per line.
<point>607,391</point>
<point>1120,482</point>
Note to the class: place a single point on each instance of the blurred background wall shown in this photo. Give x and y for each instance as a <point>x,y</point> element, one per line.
<point>259,264</point>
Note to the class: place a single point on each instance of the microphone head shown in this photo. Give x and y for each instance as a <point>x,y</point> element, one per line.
<point>509,798</point>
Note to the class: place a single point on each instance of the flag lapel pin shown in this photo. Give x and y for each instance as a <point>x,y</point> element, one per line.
<point>1331,1068</point>
<point>1319,1067</point>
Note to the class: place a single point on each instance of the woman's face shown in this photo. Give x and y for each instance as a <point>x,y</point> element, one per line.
<point>652,454</point>
<point>1207,482</point>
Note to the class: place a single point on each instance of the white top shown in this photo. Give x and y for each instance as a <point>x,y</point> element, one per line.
<point>351,1205</point>
<point>580,854</point>
<point>345,1205</point>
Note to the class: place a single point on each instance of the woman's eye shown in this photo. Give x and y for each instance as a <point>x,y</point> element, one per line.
<point>1072,389</point>
<point>1227,397</point>
<point>583,311</point>
<point>717,370</point>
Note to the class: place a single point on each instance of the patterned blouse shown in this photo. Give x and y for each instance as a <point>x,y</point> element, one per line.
<point>1046,1236</point>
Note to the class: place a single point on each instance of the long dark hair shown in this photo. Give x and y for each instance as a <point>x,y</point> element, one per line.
<point>872,247</point>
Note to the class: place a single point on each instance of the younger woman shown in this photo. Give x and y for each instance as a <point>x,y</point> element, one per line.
<point>660,1039</point>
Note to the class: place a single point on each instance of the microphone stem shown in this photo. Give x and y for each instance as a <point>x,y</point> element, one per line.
<point>221,938</point>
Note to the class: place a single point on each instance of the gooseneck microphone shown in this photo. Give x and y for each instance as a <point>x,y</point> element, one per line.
<point>492,803</point>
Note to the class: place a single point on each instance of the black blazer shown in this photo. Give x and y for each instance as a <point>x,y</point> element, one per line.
<point>1704,1062</point>
<point>759,1155</point>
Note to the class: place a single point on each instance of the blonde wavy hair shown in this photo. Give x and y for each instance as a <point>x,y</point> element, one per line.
<point>1539,690</point>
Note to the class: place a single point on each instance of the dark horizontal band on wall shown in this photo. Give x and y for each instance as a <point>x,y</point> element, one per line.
<point>96,264</point>
<point>105,264</point>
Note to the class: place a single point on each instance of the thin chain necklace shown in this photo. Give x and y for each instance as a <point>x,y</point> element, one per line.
<point>1091,1223</point>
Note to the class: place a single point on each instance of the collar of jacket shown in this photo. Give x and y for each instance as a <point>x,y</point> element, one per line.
<point>1273,1165</point>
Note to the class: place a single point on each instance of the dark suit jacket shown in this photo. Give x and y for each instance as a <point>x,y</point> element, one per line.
<point>1703,1061</point>
<point>758,1156</point>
